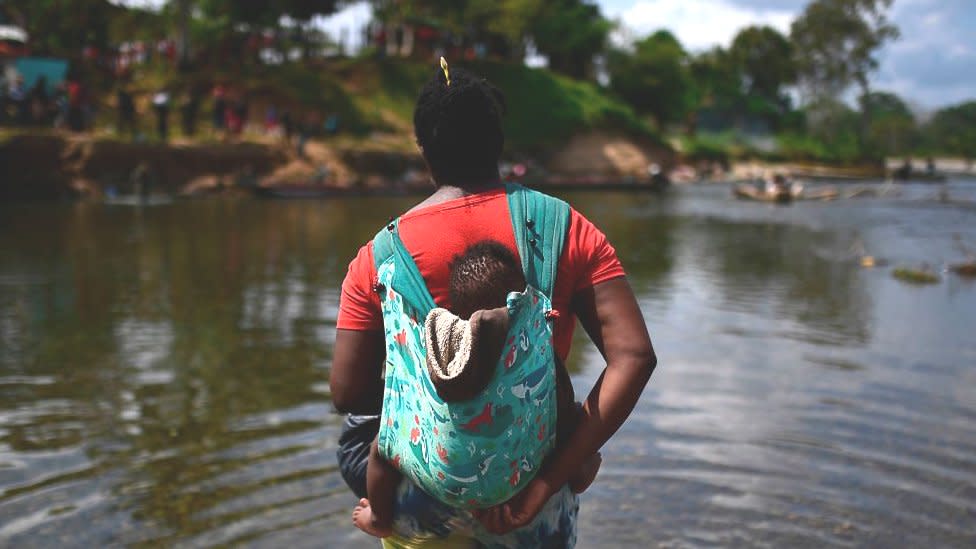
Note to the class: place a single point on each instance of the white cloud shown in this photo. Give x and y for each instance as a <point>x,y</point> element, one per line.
<point>698,25</point>
<point>350,20</point>
<point>146,4</point>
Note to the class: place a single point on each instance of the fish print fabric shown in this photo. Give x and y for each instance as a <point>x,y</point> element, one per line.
<point>477,453</point>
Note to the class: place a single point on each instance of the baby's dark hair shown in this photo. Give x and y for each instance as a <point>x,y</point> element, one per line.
<point>459,126</point>
<point>482,277</point>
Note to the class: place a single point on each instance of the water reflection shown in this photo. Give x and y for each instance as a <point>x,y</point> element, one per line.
<point>164,376</point>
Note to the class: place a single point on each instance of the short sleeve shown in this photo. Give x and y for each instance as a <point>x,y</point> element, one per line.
<point>592,257</point>
<point>359,306</point>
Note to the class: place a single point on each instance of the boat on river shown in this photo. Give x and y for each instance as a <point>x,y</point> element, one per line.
<point>906,173</point>
<point>748,191</point>
<point>921,177</point>
<point>784,195</point>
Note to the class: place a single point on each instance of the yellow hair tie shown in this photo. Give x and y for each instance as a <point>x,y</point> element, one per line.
<point>447,74</point>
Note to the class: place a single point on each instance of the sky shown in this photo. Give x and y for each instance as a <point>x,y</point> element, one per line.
<point>933,64</point>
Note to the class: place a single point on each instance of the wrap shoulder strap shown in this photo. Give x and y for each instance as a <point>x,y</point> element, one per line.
<point>540,223</point>
<point>407,280</point>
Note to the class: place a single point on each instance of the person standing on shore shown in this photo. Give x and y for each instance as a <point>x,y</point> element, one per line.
<point>188,113</point>
<point>304,133</point>
<point>126,112</point>
<point>287,126</point>
<point>38,100</point>
<point>219,107</point>
<point>161,106</point>
<point>76,110</point>
<point>18,98</point>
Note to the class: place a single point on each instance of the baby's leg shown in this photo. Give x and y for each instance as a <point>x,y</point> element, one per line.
<point>375,515</point>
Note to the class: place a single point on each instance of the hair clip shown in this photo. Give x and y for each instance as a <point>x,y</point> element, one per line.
<point>447,74</point>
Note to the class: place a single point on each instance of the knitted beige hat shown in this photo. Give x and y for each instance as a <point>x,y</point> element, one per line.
<point>462,354</point>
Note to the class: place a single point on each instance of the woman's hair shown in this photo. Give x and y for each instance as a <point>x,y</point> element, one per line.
<point>482,277</point>
<point>459,126</point>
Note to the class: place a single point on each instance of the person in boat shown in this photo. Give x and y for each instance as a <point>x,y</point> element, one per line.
<point>905,170</point>
<point>656,176</point>
<point>463,347</point>
<point>777,185</point>
<point>458,126</point>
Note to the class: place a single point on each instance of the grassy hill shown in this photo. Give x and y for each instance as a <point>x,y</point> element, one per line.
<point>376,96</point>
<point>544,109</point>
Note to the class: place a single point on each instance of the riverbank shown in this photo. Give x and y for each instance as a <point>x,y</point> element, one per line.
<point>55,165</point>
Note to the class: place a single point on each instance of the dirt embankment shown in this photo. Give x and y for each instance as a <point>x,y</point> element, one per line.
<point>608,155</point>
<point>52,166</point>
<point>46,167</point>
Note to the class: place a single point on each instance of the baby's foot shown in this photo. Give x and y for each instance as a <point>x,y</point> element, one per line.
<point>362,517</point>
<point>582,480</point>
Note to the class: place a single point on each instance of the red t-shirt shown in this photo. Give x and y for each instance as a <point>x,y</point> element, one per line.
<point>435,234</point>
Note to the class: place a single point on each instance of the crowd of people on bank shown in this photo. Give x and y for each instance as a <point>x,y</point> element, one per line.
<point>71,105</point>
<point>67,105</point>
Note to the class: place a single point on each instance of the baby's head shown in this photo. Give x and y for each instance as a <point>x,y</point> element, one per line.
<point>482,277</point>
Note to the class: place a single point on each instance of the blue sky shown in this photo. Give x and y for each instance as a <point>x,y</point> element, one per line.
<point>932,65</point>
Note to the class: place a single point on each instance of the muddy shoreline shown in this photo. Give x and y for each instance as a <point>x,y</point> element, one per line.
<point>60,166</point>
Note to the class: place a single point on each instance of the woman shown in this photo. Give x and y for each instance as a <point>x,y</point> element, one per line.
<point>458,126</point>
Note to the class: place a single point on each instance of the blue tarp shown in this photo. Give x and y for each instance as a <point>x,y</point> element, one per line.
<point>32,68</point>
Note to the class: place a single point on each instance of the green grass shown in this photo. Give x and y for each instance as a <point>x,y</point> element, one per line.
<point>786,147</point>
<point>377,95</point>
<point>915,276</point>
<point>543,108</point>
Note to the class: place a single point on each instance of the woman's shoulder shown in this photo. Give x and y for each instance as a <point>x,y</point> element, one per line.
<point>588,253</point>
<point>362,266</point>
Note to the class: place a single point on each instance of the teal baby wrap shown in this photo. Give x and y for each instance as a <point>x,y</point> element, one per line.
<point>480,452</point>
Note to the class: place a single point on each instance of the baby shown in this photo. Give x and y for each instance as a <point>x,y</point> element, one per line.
<point>480,280</point>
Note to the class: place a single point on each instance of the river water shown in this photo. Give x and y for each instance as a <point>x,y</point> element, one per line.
<point>164,373</point>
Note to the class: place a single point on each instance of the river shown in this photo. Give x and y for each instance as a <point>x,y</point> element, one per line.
<point>164,373</point>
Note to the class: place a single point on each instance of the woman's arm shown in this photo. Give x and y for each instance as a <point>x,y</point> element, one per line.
<point>356,378</point>
<point>610,315</point>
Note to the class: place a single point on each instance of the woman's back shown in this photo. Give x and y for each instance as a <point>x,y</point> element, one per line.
<point>435,234</point>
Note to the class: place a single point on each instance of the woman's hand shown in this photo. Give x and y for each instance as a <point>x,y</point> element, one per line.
<point>610,315</point>
<point>519,511</point>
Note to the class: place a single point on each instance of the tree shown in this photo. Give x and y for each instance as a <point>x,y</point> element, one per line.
<point>836,41</point>
<point>952,130</point>
<point>62,29</point>
<point>570,33</point>
<point>305,10</point>
<point>765,58</point>
<point>892,130</point>
<point>183,8</point>
<point>716,89</point>
<point>655,78</point>
<point>507,21</point>
<point>302,12</point>
<point>233,12</point>
<point>836,126</point>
